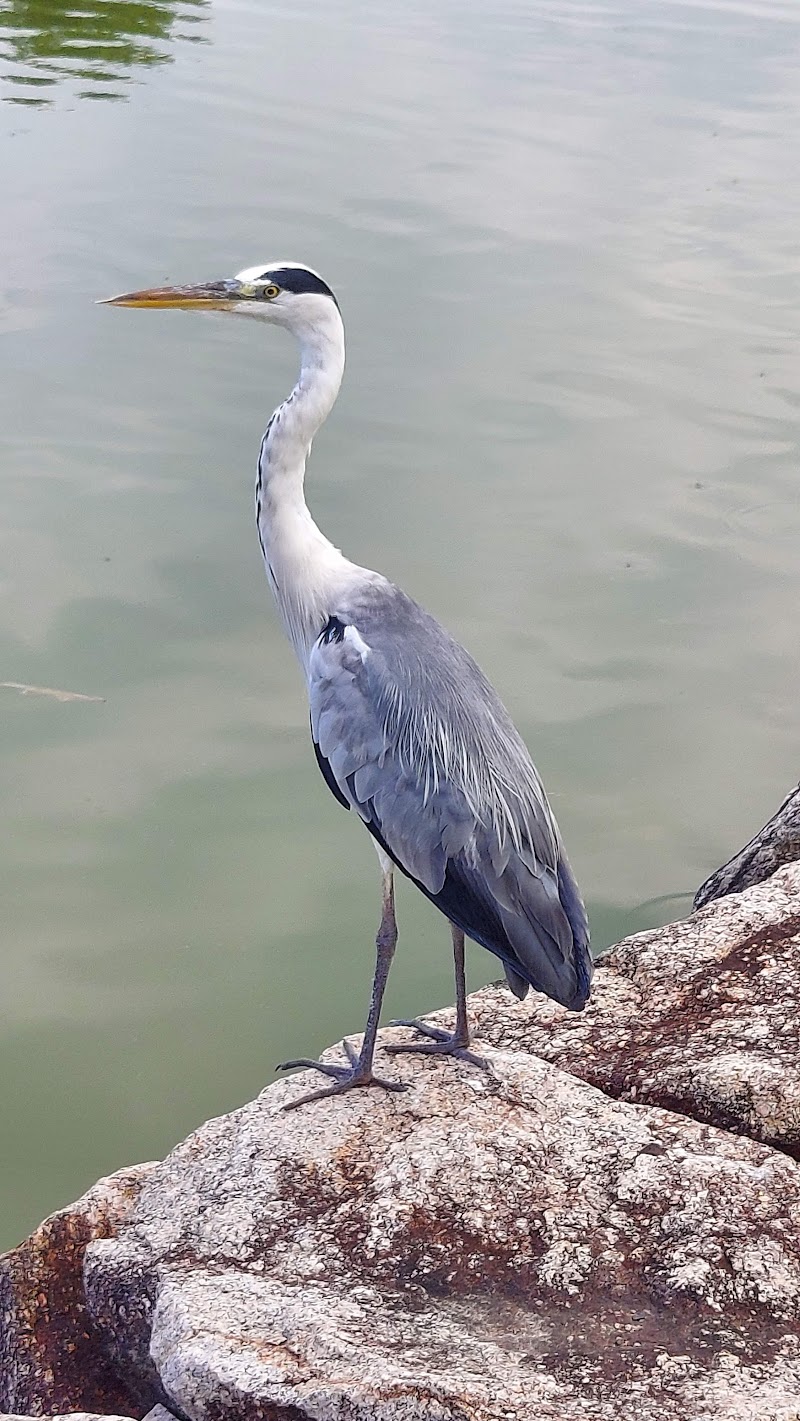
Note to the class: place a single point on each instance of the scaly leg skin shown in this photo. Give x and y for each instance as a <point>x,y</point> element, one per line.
<point>359,1072</point>
<point>446,1043</point>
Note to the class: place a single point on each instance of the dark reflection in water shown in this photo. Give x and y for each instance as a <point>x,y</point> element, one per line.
<point>93,43</point>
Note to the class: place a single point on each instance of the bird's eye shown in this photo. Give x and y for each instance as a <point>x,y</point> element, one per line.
<point>269,292</point>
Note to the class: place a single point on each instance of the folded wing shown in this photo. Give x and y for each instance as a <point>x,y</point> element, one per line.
<point>410,734</point>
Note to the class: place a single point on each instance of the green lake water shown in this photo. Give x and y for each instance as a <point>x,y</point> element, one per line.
<point>564,235</point>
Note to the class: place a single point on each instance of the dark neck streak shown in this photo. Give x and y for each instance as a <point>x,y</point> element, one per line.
<point>262,457</point>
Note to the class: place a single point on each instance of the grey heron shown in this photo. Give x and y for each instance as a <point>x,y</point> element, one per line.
<point>407,730</point>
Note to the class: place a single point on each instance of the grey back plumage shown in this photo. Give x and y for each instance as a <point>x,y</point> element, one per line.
<point>411,735</point>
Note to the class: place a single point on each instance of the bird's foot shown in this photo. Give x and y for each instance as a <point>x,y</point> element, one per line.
<point>439,1043</point>
<point>344,1077</point>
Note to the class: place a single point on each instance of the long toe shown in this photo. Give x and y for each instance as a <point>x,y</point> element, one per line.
<point>441,1045</point>
<point>434,1032</point>
<point>306,1063</point>
<point>327,1069</point>
<point>344,1078</point>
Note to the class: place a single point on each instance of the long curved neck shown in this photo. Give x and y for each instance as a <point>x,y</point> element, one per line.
<point>304,569</point>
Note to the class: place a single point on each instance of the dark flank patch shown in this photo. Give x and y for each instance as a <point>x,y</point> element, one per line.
<point>300,281</point>
<point>463,899</point>
<point>327,774</point>
<point>260,503</point>
<point>458,900</point>
<point>332,631</point>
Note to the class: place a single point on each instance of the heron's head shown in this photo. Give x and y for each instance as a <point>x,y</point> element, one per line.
<point>281,293</point>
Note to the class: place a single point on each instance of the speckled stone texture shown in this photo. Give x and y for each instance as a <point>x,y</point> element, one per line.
<point>477,1248</point>
<point>158,1413</point>
<point>543,1243</point>
<point>701,1016</point>
<point>778,843</point>
<point>50,1359</point>
<point>64,1416</point>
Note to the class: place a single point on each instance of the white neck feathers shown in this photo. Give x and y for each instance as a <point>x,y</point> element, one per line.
<point>304,569</point>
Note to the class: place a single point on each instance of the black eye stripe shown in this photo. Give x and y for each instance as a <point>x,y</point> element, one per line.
<point>298,280</point>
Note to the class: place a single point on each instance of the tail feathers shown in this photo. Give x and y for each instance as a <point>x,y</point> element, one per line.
<point>570,896</point>
<point>537,926</point>
<point>542,941</point>
<point>538,961</point>
<point>519,985</point>
<point>546,926</point>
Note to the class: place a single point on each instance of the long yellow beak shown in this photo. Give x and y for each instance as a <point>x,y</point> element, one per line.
<point>208,296</point>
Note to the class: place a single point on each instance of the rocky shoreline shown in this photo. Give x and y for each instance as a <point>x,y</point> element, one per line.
<point>605,1228</point>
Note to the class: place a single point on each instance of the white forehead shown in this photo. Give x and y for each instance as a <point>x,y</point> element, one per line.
<point>258,273</point>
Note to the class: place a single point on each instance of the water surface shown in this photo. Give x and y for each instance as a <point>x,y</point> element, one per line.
<point>564,238</point>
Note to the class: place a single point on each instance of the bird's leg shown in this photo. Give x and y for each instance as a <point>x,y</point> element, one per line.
<point>446,1043</point>
<point>359,1072</point>
<point>461,1033</point>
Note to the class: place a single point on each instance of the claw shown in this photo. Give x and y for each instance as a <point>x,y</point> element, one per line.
<point>327,1068</point>
<point>350,1051</point>
<point>439,1043</point>
<point>435,1032</point>
<point>351,1077</point>
<point>306,1063</point>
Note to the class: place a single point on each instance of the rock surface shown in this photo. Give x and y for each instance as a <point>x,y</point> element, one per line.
<point>64,1416</point>
<point>542,1243</point>
<point>50,1360</point>
<point>158,1413</point>
<point>512,1247</point>
<point>778,843</point>
<point>701,1016</point>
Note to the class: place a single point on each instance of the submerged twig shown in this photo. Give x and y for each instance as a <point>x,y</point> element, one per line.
<point>47,691</point>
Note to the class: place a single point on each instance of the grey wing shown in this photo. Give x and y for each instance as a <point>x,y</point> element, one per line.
<point>410,735</point>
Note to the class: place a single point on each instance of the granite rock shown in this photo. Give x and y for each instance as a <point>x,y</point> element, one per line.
<point>50,1360</point>
<point>511,1246</point>
<point>64,1416</point>
<point>158,1413</point>
<point>700,1016</point>
<point>778,843</point>
<point>603,1227</point>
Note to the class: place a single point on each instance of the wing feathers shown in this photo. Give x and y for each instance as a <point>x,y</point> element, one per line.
<point>409,733</point>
